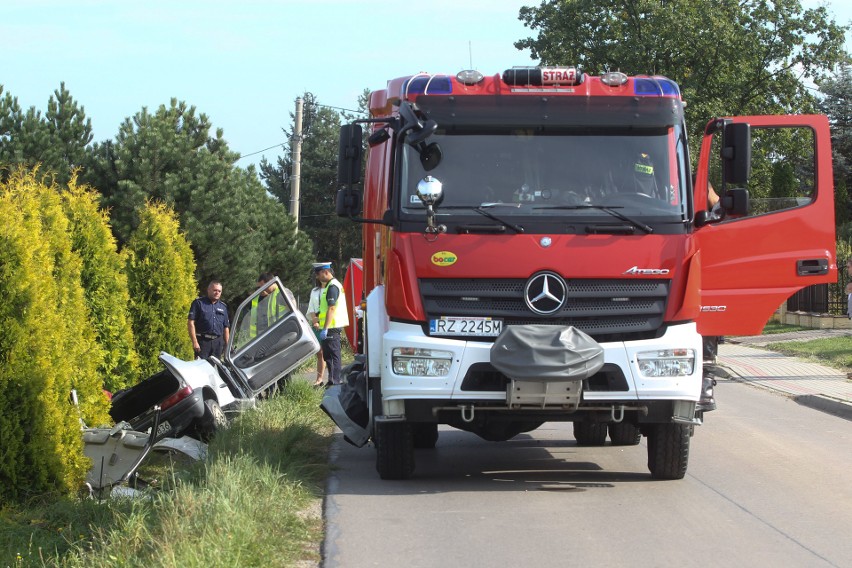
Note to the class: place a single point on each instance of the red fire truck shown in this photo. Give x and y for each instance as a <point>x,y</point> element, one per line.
<point>538,247</point>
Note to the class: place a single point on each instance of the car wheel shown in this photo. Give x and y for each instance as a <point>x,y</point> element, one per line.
<point>668,450</point>
<point>394,450</point>
<point>590,433</point>
<point>624,434</point>
<point>213,420</point>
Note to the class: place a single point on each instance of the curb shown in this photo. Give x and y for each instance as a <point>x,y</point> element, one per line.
<point>833,406</point>
<point>826,404</point>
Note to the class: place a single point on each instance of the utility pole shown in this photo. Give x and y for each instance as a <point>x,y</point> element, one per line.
<point>296,149</point>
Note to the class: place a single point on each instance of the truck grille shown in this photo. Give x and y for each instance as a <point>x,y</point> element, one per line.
<point>607,310</point>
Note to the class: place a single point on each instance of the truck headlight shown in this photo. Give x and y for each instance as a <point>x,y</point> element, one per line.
<point>415,361</point>
<point>666,362</point>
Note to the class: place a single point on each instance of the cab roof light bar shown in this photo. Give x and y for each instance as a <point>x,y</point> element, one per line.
<point>424,84</point>
<point>542,76</point>
<point>655,86</point>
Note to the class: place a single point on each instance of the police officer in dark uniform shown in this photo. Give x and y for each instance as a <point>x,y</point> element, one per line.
<point>208,323</point>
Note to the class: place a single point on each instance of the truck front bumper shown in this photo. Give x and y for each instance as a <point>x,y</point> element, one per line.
<point>464,355</point>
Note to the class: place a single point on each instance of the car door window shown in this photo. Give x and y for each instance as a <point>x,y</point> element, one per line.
<point>271,337</point>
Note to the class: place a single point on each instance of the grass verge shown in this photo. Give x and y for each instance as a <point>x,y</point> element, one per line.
<point>254,502</point>
<point>777,327</point>
<point>833,352</point>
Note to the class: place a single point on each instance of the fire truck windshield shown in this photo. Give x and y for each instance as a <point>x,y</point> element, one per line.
<point>554,174</point>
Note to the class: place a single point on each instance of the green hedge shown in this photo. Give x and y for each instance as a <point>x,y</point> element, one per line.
<point>77,315</point>
<point>46,346</point>
<point>104,284</point>
<point>160,271</point>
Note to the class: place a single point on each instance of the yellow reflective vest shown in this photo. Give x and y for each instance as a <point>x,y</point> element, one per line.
<point>272,308</point>
<point>341,314</point>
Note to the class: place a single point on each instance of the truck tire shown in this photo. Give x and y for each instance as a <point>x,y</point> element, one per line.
<point>624,434</point>
<point>590,433</point>
<point>668,450</point>
<point>425,435</point>
<point>394,450</point>
<point>374,398</point>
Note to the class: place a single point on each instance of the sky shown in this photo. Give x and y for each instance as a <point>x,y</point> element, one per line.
<point>244,63</point>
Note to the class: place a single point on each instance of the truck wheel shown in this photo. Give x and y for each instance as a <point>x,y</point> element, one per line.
<point>394,450</point>
<point>425,435</point>
<point>668,450</point>
<point>212,420</point>
<point>374,398</point>
<point>624,434</point>
<point>590,433</point>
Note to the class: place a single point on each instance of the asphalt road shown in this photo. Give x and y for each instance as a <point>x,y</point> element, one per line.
<point>769,484</point>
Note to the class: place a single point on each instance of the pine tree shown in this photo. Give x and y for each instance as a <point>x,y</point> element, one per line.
<point>154,157</point>
<point>170,156</point>
<point>56,142</point>
<point>70,134</point>
<point>335,239</point>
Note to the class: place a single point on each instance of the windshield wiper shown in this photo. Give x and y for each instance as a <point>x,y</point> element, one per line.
<point>607,209</point>
<point>481,209</point>
<point>490,229</point>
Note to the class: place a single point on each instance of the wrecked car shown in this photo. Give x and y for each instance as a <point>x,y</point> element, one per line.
<point>118,452</point>
<point>269,339</point>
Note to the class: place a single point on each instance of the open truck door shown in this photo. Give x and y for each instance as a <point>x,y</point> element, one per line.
<point>353,287</point>
<point>778,234</point>
<point>270,338</point>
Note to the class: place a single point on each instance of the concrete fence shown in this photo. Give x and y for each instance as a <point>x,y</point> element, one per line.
<point>814,321</point>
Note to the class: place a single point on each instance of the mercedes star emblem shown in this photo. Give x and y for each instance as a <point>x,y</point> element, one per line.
<point>545,293</point>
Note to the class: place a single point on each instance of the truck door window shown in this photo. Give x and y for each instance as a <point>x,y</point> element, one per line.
<point>782,173</point>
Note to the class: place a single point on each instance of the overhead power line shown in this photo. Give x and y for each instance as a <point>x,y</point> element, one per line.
<point>341,108</point>
<point>261,151</point>
<point>286,141</point>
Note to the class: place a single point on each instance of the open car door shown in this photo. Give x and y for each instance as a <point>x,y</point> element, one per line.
<point>753,261</point>
<point>270,338</point>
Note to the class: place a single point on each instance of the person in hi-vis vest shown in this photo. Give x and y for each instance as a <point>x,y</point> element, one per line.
<point>313,316</point>
<point>333,317</point>
<point>267,307</point>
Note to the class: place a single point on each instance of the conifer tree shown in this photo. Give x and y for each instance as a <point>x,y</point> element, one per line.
<point>334,238</point>
<point>56,142</point>
<point>46,348</point>
<point>171,156</point>
<point>160,277</point>
<point>153,157</point>
<point>104,284</point>
<point>78,342</point>
<point>69,133</point>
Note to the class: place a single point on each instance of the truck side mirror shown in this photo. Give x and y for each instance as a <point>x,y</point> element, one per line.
<point>348,203</point>
<point>349,155</point>
<point>735,201</point>
<point>736,153</point>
